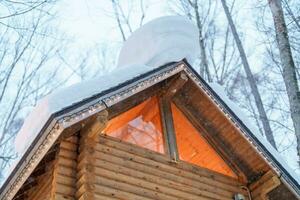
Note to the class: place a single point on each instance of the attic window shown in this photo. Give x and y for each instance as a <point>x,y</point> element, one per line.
<point>140,125</point>
<point>193,148</point>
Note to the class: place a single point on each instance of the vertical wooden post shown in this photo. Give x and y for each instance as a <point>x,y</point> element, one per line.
<point>168,128</point>
<point>85,168</point>
<point>85,171</point>
<point>166,113</point>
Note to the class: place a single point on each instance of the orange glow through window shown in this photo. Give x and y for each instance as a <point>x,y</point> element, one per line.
<point>140,125</point>
<point>193,148</point>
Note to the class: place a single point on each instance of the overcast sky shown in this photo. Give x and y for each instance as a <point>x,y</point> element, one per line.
<point>91,21</point>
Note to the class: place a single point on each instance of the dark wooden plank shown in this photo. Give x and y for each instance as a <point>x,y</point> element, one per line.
<point>168,127</point>
<point>175,85</point>
<point>134,100</point>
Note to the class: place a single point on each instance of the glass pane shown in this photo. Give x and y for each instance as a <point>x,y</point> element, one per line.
<point>193,148</point>
<point>140,125</point>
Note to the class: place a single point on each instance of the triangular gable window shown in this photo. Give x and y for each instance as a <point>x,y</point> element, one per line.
<point>193,148</point>
<point>140,125</point>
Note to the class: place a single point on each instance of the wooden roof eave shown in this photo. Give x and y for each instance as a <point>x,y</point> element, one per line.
<point>270,159</point>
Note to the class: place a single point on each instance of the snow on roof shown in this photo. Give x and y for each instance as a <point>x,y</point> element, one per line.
<point>241,115</point>
<point>63,98</point>
<point>165,39</point>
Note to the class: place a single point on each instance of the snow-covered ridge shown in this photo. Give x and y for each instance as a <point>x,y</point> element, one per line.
<point>163,40</point>
<point>66,97</point>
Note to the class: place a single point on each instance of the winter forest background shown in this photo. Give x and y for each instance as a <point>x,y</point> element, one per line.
<point>48,44</point>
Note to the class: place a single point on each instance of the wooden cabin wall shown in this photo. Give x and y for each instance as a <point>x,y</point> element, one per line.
<point>111,169</point>
<point>42,190</point>
<point>65,170</point>
<point>58,182</point>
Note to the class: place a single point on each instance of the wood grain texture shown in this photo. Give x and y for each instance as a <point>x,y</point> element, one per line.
<point>65,169</point>
<point>112,169</point>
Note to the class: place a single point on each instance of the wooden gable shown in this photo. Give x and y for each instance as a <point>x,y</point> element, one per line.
<point>167,141</point>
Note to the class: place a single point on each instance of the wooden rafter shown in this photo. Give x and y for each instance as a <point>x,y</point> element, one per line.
<point>175,85</point>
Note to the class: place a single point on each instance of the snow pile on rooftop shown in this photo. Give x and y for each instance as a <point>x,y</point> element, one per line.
<point>66,97</point>
<point>163,40</point>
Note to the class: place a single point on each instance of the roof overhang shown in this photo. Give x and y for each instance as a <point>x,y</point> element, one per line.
<point>60,121</point>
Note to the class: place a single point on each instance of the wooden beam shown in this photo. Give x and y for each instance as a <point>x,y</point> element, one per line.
<point>134,100</point>
<point>85,170</point>
<point>168,128</point>
<point>211,135</point>
<point>97,125</point>
<point>171,88</point>
<point>175,85</point>
<point>268,182</point>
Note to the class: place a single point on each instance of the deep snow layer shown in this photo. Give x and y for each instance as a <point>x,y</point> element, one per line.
<point>163,40</point>
<point>63,98</point>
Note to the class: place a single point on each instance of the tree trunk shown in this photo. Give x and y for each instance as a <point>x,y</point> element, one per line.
<point>204,64</point>
<point>289,68</point>
<point>262,113</point>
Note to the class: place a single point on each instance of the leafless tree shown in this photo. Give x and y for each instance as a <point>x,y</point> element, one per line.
<point>204,70</point>
<point>252,82</point>
<point>289,69</point>
<point>123,17</point>
<point>29,66</point>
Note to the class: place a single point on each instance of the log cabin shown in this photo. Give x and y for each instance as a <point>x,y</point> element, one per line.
<point>142,133</point>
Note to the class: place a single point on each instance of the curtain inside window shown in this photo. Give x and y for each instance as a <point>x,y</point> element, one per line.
<point>140,125</point>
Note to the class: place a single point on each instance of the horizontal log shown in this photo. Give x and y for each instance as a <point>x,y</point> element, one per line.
<point>182,185</point>
<point>138,190</point>
<point>65,189</point>
<point>166,165</point>
<point>146,154</point>
<point>69,146</point>
<point>66,153</point>
<point>97,197</point>
<point>62,197</point>
<point>199,182</point>
<point>66,171</point>
<point>67,162</point>
<point>158,186</point>
<point>66,180</point>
